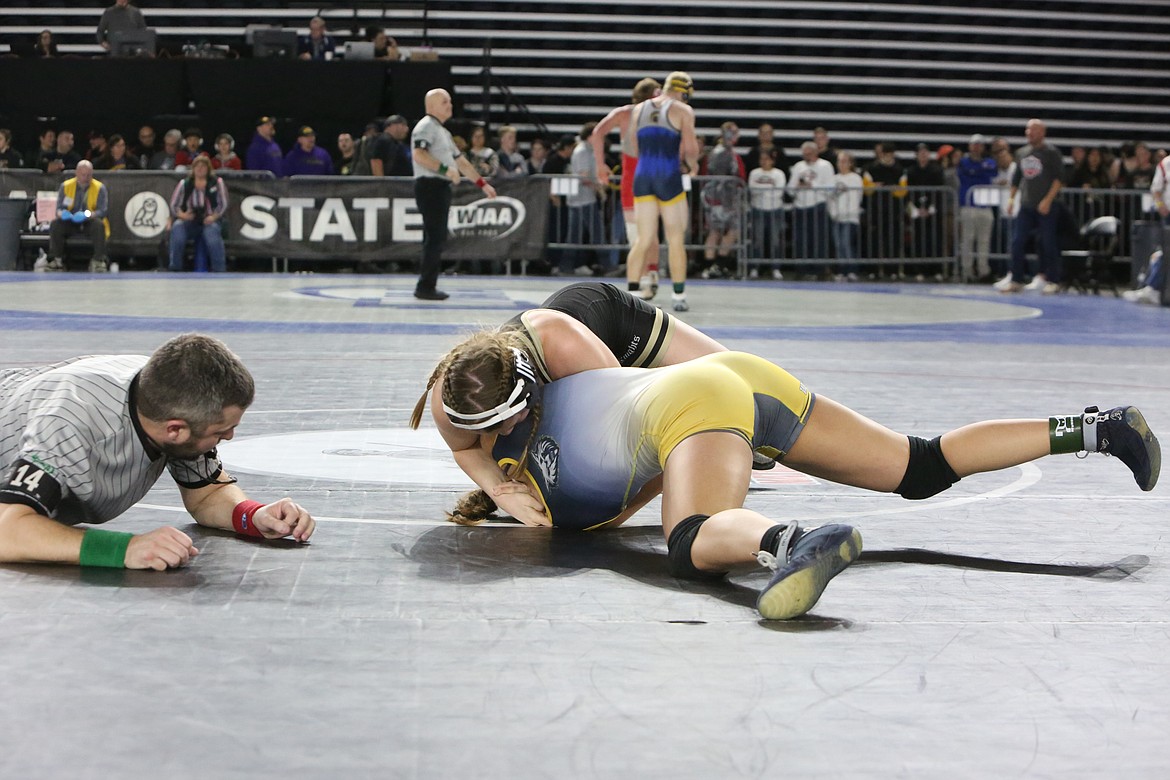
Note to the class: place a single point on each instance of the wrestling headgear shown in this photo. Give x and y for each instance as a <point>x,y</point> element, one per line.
<point>678,81</point>
<point>517,401</point>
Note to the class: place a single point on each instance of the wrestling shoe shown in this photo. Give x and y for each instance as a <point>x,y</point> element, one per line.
<point>98,267</point>
<point>647,289</point>
<point>1123,433</point>
<point>679,302</point>
<point>811,559</point>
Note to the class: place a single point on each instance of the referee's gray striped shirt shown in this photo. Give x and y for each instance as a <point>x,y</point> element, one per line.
<point>76,418</point>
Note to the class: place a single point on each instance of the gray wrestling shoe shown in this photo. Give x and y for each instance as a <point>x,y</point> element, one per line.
<point>1123,433</point>
<point>812,558</point>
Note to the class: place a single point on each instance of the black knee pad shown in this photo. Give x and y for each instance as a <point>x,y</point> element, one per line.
<point>678,550</point>
<point>928,472</point>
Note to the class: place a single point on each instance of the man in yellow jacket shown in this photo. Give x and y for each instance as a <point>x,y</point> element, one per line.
<point>82,205</point>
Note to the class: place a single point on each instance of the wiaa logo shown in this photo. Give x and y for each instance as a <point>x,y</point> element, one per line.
<point>491,218</point>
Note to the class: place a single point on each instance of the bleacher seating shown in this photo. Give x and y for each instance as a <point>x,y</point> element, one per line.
<point>867,71</point>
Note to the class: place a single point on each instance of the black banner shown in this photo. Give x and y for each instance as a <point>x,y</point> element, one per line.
<point>320,218</point>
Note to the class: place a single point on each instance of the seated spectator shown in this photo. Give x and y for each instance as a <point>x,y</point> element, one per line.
<point>192,148</point>
<point>537,156</point>
<point>197,208</point>
<point>264,153</point>
<point>390,155</point>
<point>116,157</point>
<point>164,159</point>
<point>82,205</point>
<point>1092,173</point>
<point>512,163</point>
<point>146,146</point>
<point>97,145</point>
<point>346,155</point>
<point>225,154</point>
<point>9,157</point>
<point>1123,162</point>
<point>64,158</point>
<point>385,47</point>
<point>1139,175</point>
<point>306,158</point>
<point>119,17</point>
<point>45,45</point>
<point>46,150</point>
<point>480,155</point>
<point>318,45</point>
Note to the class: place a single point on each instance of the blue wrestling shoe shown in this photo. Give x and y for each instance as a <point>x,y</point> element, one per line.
<point>813,558</point>
<point>1123,433</point>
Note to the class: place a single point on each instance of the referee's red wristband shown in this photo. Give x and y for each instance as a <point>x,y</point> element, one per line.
<point>242,518</point>
<point>481,182</point>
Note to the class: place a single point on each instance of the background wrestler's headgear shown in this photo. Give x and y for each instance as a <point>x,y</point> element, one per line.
<point>678,81</point>
<point>522,389</point>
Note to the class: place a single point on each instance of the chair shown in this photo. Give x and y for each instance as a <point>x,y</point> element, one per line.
<point>1089,267</point>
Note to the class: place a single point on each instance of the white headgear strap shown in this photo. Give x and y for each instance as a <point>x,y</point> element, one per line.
<point>516,402</point>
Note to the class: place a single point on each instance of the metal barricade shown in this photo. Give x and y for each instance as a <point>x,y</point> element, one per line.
<point>843,232</point>
<point>1075,209</point>
<point>587,227</point>
<point>894,232</point>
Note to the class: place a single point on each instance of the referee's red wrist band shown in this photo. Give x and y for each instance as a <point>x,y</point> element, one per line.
<point>242,518</point>
<point>481,182</point>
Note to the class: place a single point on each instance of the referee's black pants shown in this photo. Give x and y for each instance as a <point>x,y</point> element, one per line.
<point>432,195</point>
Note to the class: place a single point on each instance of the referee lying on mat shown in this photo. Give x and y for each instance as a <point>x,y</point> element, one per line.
<point>83,440</point>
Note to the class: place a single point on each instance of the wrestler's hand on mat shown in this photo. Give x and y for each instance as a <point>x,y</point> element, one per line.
<point>518,500</point>
<point>162,548</point>
<point>283,518</point>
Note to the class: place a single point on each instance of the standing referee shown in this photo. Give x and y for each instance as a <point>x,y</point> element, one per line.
<point>437,165</point>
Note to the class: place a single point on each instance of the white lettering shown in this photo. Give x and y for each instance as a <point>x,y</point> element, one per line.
<point>407,221</point>
<point>296,215</point>
<point>370,208</point>
<point>333,221</point>
<point>257,210</point>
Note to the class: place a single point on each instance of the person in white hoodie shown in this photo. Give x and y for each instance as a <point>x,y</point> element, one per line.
<point>766,190</point>
<point>845,212</point>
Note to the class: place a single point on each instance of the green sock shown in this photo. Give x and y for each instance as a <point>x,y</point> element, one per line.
<point>1066,434</point>
<point>680,287</point>
<point>633,286</point>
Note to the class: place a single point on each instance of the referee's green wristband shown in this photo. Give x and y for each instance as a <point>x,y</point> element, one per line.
<point>105,548</point>
<point>443,169</point>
